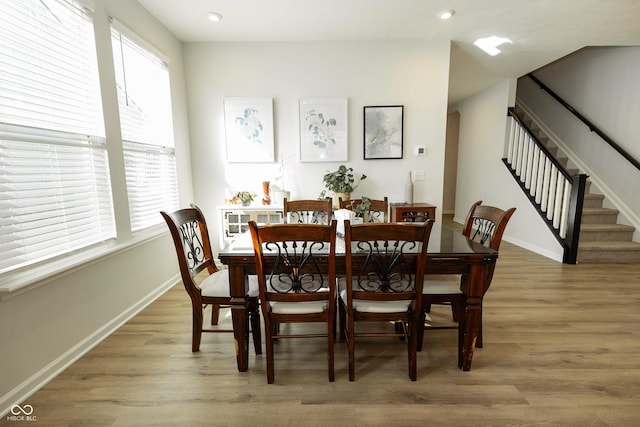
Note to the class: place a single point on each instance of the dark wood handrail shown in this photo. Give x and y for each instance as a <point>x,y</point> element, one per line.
<point>587,122</point>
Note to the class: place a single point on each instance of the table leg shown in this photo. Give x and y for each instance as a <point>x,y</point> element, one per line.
<point>472,314</point>
<point>239,302</point>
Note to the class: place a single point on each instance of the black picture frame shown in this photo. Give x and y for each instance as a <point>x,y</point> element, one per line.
<point>383,132</point>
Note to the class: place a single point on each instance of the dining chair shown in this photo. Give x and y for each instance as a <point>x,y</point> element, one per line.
<point>203,281</point>
<point>307,211</point>
<point>296,269</point>
<point>378,209</point>
<point>485,225</point>
<point>385,264</point>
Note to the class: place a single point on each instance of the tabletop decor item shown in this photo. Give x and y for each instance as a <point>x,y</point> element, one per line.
<point>246,197</point>
<point>341,183</point>
<point>362,208</point>
<point>278,186</point>
<point>266,200</point>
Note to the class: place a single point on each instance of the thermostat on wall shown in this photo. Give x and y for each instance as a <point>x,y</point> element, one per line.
<point>419,151</point>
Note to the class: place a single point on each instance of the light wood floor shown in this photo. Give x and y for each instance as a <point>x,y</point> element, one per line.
<point>562,347</point>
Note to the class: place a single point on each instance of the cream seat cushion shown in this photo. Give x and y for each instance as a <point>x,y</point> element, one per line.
<point>440,284</point>
<point>366,306</point>
<point>217,285</point>
<point>304,307</point>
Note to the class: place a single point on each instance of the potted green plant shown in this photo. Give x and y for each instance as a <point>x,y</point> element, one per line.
<point>361,208</point>
<point>341,183</point>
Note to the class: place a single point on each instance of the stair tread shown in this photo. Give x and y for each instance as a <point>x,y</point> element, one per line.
<point>605,227</point>
<point>599,211</point>
<point>593,196</point>
<point>610,246</point>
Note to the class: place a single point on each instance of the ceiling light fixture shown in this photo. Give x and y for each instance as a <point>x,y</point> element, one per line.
<point>490,44</point>
<point>214,16</point>
<point>446,14</point>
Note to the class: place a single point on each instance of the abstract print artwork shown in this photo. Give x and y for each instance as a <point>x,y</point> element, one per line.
<point>383,132</point>
<point>249,129</point>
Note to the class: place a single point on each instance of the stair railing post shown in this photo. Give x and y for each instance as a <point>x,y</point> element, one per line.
<point>576,202</point>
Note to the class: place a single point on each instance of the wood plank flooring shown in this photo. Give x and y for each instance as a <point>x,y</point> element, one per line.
<point>562,347</point>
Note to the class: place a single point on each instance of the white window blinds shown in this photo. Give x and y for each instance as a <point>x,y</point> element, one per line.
<point>55,194</point>
<point>144,100</point>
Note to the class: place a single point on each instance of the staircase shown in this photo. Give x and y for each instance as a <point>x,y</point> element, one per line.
<point>602,238</point>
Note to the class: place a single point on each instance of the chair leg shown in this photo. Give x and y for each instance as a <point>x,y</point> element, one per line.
<point>455,309</point>
<point>268,329</point>
<point>343,319</point>
<point>352,347</point>
<point>462,316</point>
<point>479,343</point>
<point>412,347</point>
<point>196,327</point>
<point>331,331</point>
<point>215,313</point>
<point>255,330</point>
<point>253,308</point>
<point>399,328</point>
<point>420,330</point>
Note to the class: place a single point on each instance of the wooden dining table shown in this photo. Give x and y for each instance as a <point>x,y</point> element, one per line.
<point>449,252</point>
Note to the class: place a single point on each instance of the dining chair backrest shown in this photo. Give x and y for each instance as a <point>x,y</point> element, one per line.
<point>390,260</point>
<point>307,211</point>
<point>204,282</point>
<point>190,235</point>
<point>296,269</point>
<point>385,265</point>
<point>486,224</point>
<point>378,209</point>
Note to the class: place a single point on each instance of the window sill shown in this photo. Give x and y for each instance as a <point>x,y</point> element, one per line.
<point>31,277</point>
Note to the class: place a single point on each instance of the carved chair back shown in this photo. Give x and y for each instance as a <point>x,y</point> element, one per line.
<point>486,224</point>
<point>378,209</point>
<point>308,211</point>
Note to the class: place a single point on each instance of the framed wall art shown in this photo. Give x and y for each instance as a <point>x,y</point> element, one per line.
<point>248,124</point>
<point>323,130</point>
<point>383,132</point>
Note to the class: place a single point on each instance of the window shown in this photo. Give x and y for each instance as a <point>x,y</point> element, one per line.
<point>55,191</point>
<point>144,100</point>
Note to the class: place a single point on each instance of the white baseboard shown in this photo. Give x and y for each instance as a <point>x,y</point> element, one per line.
<point>38,380</point>
<point>556,256</point>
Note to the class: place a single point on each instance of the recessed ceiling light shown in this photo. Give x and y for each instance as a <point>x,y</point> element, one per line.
<point>446,14</point>
<point>490,44</point>
<point>214,16</point>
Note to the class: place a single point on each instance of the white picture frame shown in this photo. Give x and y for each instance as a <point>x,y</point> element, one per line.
<point>248,126</point>
<point>323,129</point>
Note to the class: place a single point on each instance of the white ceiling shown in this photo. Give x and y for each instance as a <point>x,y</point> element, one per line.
<point>542,31</point>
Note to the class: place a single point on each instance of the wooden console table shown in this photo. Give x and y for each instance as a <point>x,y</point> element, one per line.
<point>412,212</point>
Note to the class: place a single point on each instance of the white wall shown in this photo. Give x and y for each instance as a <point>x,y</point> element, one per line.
<point>483,176</point>
<point>602,84</point>
<point>413,74</point>
<point>54,320</point>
